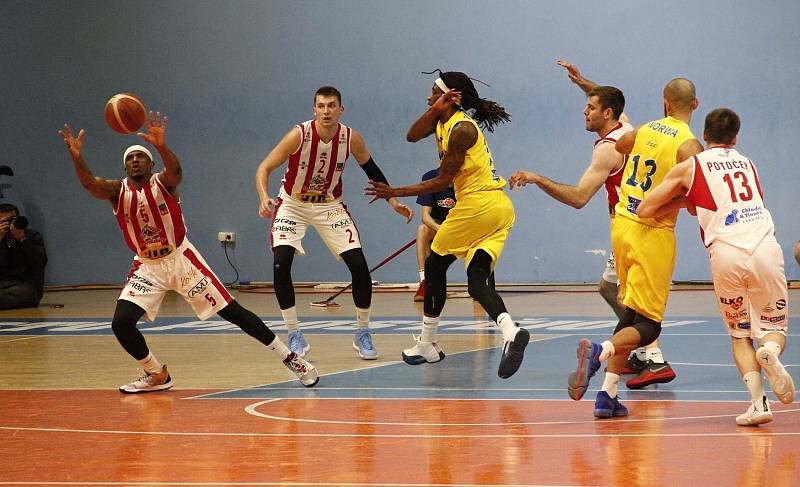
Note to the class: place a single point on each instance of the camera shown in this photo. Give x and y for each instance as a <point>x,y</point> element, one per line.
<point>19,222</point>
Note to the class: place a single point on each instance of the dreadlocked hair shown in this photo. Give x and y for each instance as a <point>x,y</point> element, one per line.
<point>488,113</point>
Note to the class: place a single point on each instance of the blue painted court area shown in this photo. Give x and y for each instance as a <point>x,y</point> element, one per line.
<point>697,349</point>
<point>466,325</point>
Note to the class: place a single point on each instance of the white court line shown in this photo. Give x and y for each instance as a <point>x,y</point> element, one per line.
<point>415,436</point>
<point>251,409</point>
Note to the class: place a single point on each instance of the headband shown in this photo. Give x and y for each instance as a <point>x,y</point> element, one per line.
<point>441,85</point>
<point>135,148</point>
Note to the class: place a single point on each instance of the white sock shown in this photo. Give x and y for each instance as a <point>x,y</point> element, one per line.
<point>151,364</point>
<point>608,351</point>
<point>290,318</point>
<point>362,317</point>
<point>654,354</point>
<point>755,385</point>
<point>610,384</point>
<point>421,275</point>
<point>429,327</point>
<point>507,326</point>
<point>279,348</point>
<point>641,353</point>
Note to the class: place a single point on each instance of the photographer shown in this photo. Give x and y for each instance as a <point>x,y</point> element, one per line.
<point>22,261</point>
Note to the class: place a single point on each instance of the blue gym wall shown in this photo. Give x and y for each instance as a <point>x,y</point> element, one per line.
<point>234,76</point>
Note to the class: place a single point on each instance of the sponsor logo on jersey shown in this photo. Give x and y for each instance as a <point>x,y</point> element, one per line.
<point>633,203</point>
<point>780,304</point>
<point>744,325</point>
<point>773,319</point>
<point>199,287</point>
<point>448,203</point>
<point>284,228</point>
<point>734,303</point>
<point>342,223</point>
<point>339,166</point>
<point>285,221</point>
<point>731,218</point>
<point>334,214</point>
<point>736,316</point>
<point>162,208</point>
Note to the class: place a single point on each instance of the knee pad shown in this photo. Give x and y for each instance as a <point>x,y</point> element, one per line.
<point>648,329</point>
<point>362,281</point>
<point>283,255</point>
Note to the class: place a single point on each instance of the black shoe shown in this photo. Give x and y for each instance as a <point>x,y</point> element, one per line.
<point>633,365</point>
<point>513,352</point>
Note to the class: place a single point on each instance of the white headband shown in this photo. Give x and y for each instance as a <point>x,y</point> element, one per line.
<point>441,85</point>
<point>135,148</point>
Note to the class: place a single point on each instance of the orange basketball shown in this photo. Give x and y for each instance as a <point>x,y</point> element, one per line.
<point>125,113</point>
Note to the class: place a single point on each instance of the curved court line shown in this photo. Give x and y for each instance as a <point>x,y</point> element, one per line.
<point>365,435</point>
<point>251,409</point>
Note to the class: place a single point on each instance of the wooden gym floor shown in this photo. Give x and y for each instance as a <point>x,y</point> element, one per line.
<point>236,417</point>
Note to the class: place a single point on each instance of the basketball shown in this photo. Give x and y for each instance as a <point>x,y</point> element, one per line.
<point>125,113</point>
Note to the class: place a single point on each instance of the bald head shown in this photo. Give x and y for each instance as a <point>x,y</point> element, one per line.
<point>680,94</point>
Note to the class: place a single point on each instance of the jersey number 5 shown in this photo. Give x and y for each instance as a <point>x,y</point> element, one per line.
<point>650,164</point>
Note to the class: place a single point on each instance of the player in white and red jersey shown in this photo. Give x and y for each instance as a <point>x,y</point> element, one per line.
<point>311,195</point>
<point>604,116</point>
<point>149,214</point>
<point>721,187</point>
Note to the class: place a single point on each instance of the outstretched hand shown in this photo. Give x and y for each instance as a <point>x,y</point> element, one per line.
<point>380,191</point>
<point>156,130</point>
<point>572,71</point>
<point>522,178</point>
<point>74,144</point>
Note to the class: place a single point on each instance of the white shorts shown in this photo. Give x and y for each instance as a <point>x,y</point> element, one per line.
<point>183,271</point>
<point>610,271</point>
<point>332,221</point>
<point>751,288</point>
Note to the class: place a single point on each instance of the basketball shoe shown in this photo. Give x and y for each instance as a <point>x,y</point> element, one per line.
<point>304,371</point>
<point>779,379</point>
<point>652,374</point>
<point>756,414</point>
<point>362,343</point>
<point>298,343</point>
<point>607,407</point>
<point>633,365</point>
<point>588,363</point>
<point>423,352</point>
<point>148,382</point>
<point>513,352</point>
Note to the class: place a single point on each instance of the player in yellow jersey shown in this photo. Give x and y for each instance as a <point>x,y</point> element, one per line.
<point>477,227</point>
<point>644,247</point>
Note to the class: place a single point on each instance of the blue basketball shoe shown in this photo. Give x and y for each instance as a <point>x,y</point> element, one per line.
<point>588,364</point>
<point>606,407</point>
<point>362,343</point>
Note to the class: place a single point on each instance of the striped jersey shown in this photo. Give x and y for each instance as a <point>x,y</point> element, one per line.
<point>654,153</point>
<point>730,204</point>
<point>150,218</point>
<point>314,174</point>
<point>613,179</point>
<point>477,173</point>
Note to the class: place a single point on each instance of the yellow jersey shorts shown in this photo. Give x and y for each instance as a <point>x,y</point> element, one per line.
<point>480,220</point>
<point>645,258</point>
